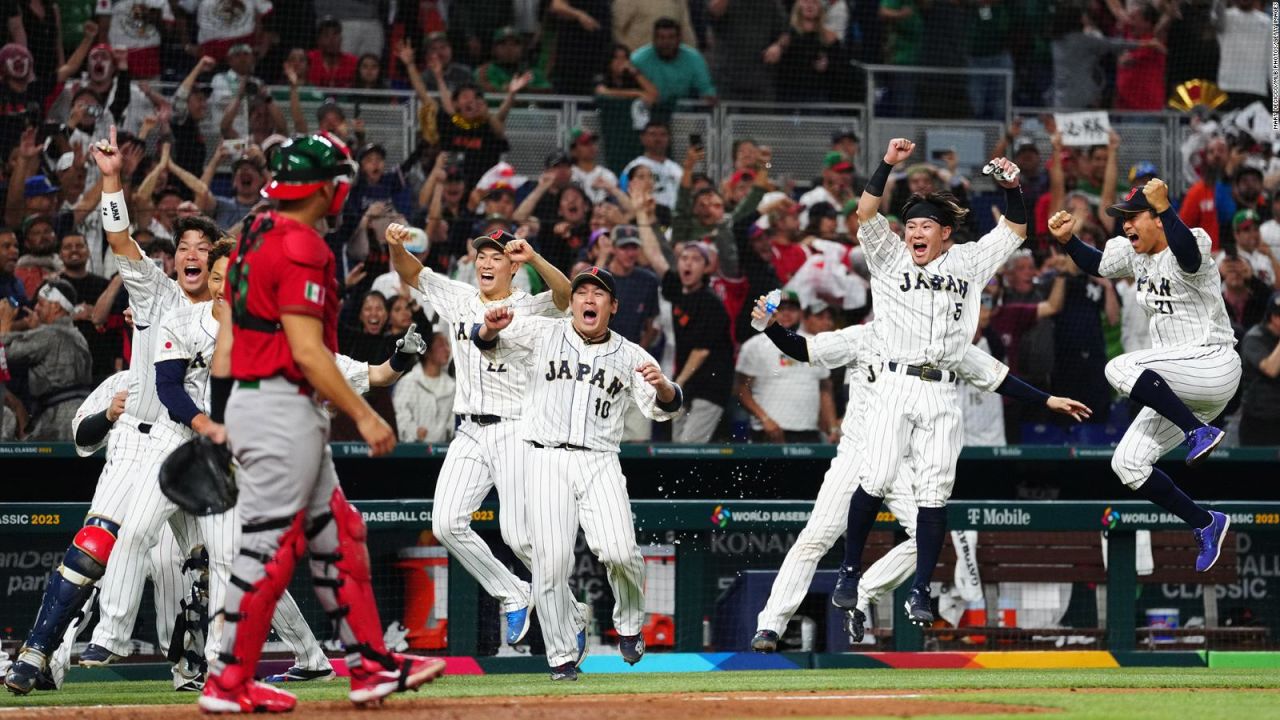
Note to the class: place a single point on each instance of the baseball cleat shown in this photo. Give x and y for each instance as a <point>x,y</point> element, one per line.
<point>567,671</point>
<point>582,647</point>
<point>518,624</point>
<point>1209,539</point>
<point>845,594</point>
<point>631,647</point>
<point>918,608</point>
<point>1201,443</point>
<point>856,623</point>
<point>301,674</point>
<point>22,678</point>
<point>251,697</point>
<point>195,684</point>
<point>765,641</point>
<point>97,656</point>
<point>371,686</point>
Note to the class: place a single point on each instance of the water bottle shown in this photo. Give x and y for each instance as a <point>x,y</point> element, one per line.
<point>770,307</point>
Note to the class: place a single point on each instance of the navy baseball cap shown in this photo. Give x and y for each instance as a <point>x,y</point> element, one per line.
<point>38,185</point>
<point>1134,202</point>
<point>597,276</point>
<point>496,239</point>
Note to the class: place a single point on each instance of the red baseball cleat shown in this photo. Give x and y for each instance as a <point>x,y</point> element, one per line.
<point>252,697</point>
<point>372,686</point>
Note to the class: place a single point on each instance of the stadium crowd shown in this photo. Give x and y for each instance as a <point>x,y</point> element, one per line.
<point>689,253</point>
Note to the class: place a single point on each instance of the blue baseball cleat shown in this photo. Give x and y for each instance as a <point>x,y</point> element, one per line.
<point>845,593</point>
<point>1201,442</point>
<point>631,647</point>
<point>1209,539</point>
<point>518,624</point>
<point>298,673</point>
<point>582,648</point>
<point>97,656</point>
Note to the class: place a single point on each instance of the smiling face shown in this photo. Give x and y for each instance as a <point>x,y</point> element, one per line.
<point>592,307</point>
<point>218,279</point>
<point>192,263</point>
<point>494,271</point>
<point>75,252</point>
<point>400,317</point>
<point>373,314</point>
<point>1145,233</point>
<point>788,315</point>
<point>249,180</point>
<point>924,239</point>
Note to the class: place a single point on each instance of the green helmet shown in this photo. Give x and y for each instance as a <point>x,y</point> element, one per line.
<point>305,163</point>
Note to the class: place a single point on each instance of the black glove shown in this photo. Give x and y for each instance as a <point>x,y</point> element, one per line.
<point>199,477</point>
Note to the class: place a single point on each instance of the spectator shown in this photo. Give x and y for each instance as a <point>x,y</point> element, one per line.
<point>543,198</point>
<point>363,24</point>
<point>466,126</point>
<point>789,401</point>
<point>12,290</point>
<point>1140,72</point>
<point>845,141</point>
<point>582,42</point>
<point>1199,205</point>
<point>836,186</point>
<point>248,176</point>
<point>238,81</point>
<point>375,183</point>
<point>1249,248</point>
<point>369,73</point>
<point>988,45</point>
<point>508,61</point>
<point>677,71</point>
<point>37,24</point>
<point>1246,193</point>
<point>905,42</point>
<point>104,349</point>
<point>222,25</point>
<point>779,215</point>
<point>637,315</point>
<point>624,97</point>
<point>1078,50</point>
<point>327,65</point>
<point>590,176</point>
<point>1244,294</point>
<point>366,341</point>
<point>55,356</point>
<point>1244,35</point>
<point>1260,353</point>
<point>1092,180</point>
<point>137,26</point>
<point>700,216</point>
<point>39,260</point>
<point>424,396</point>
<point>704,350</point>
<point>824,220</point>
<point>21,96</point>
<point>440,51</point>
<point>568,232</point>
<point>633,21</point>
<point>667,174</point>
<point>1079,350</point>
<point>1270,229</point>
<point>750,40</point>
<point>10,428</point>
<point>190,108</point>
<point>811,67</point>
<point>1135,327</point>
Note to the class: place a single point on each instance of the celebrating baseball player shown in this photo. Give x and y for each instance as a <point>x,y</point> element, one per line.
<point>582,378</point>
<point>486,452</point>
<point>849,348</point>
<point>1192,369</point>
<point>284,300</point>
<point>927,304</point>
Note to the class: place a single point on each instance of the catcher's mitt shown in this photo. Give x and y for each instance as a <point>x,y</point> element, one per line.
<point>199,477</point>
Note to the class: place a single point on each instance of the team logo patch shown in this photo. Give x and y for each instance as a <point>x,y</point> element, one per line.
<point>313,293</point>
<point>168,345</point>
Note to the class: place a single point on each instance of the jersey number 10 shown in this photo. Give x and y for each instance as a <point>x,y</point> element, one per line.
<point>602,408</point>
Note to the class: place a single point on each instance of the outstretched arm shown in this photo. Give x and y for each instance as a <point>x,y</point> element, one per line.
<point>1062,226</point>
<point>1181,242</point>
<point>115,213</point>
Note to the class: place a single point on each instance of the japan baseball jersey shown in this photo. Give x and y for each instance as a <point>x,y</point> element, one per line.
<point>152,294</point>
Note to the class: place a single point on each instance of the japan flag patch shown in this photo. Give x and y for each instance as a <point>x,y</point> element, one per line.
<point>313,293</point>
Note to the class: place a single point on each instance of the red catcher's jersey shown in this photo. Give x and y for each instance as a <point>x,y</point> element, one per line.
<point>288,269</point>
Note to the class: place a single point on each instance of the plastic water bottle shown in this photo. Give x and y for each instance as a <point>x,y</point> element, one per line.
<point>770,307</point>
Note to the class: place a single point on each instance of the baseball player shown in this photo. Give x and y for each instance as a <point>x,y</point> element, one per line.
<point>43,660</point>
<point>1192,369</point>
<point>849,348</point>
<point>927,305</point>
<point>581,379</point>
<point>489,399</point>
<point>284,302</point>
<point>130,463</point>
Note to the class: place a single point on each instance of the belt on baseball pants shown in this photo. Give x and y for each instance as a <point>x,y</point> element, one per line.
<point>480,419</point>
<point>927,373</point>
<point>561,446</point>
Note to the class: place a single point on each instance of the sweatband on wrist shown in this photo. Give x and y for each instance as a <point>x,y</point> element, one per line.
<point>875,185</point>
<point>115,214</point>
<point>219,391</point>
<point>402,361</point>
<point>1015,210</point>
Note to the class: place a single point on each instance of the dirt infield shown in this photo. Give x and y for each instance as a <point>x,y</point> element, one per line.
<point>686,706</point>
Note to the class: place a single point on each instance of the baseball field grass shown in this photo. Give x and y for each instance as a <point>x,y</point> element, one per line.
<point>1129,693</point>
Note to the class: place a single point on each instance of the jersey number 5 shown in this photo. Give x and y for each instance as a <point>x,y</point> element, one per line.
<point>959,310</point>
<point>602,408</point>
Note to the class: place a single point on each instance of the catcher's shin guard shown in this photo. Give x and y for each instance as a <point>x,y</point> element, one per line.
<point>69,586</point>
<point>261,572</point>
<point>341,574</point>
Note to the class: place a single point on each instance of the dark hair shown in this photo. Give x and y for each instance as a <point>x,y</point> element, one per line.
<point>159,244</point>
<point>739,143</point>
<point>328,22</point>
<point>200,224</point>
<point>86,90</point>
<point>653,123</point>
<point>950,211</point>
<point>665,23</point>
<point>38,220</point>
<point>586,199</point>
<point>1092,148</point>
<point>379,81</point>
<point>700,193</point>
<point>631,174</point>
<point>221,249</point>
<point>473,87</point>
<point>165,192</point>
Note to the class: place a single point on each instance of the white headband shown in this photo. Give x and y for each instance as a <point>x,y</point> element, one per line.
<point>52,294</point>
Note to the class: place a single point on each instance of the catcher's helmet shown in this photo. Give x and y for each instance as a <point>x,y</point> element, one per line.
<point>199,477</point>
<point>305,163</point>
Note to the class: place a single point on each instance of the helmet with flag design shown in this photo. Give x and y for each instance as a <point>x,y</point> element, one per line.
<point>303,164</point>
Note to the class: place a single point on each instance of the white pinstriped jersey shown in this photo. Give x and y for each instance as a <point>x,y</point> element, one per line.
<point>1184,308</point>
<point>578,392</point>
<point>98,400</point>
<point>852,347</point>
<point>485,383</point>
<point>151,295</point>
<point>190,333</point>
<point>928,314</point>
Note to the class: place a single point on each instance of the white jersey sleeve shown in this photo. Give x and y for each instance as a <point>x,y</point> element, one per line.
<point>1117,258</point>
<point>983,258</point>
<point>838,348</point>
<point>98,400</point>
<point>447,296</point>
<point>171,336</point>
<point>883,246</point>
<point>643,394</point>
<point>517,341</point>
<point>541,305</point>
<point>151,292</point>
<point>981,370</point>
<point>356,373</point>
